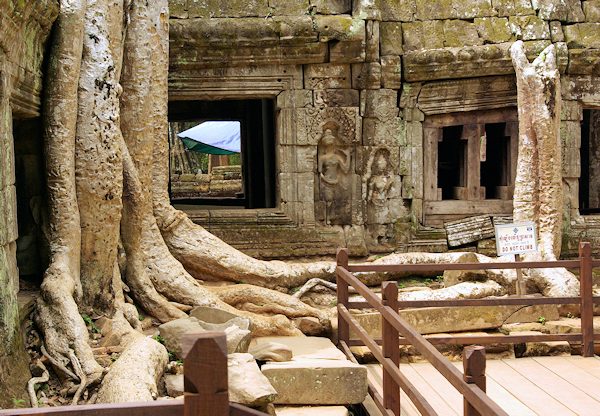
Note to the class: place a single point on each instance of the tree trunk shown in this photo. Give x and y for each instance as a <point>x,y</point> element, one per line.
<point>98,160</point>
<point>538,186</point>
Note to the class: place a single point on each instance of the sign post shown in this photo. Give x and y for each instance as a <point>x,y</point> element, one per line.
<point>517,239</point>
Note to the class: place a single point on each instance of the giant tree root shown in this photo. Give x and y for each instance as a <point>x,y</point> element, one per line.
<point>464,290</point>
<point>135,374</point>
<point>206,257</point>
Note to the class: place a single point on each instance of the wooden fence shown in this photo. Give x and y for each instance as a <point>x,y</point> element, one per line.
<point>205,385</point>
<point>396,331</point>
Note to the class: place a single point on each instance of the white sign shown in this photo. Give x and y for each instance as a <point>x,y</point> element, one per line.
<point>516,238</point>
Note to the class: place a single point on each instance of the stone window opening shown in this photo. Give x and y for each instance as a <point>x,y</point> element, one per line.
<point>452,159</point>
<point>474,162</point>
<point>469,164</point>
<point>589,179</point>
<point>495,169</point>
<point>201,180</point>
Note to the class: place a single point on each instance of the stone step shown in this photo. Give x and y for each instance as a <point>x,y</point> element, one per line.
<point>311,411</point>
<point>304,347</point>
<point>317,381</point>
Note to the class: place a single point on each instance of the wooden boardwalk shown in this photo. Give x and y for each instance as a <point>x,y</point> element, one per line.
<point>556,386</point>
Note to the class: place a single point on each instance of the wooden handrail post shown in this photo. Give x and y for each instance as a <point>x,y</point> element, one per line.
<point>587,303</point>
<point>390,348</point>
<point>474,372</point>
<point>205,374</point>
<point>342,294</point>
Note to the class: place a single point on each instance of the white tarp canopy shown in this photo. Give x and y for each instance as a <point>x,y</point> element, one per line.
<point>214,137</point>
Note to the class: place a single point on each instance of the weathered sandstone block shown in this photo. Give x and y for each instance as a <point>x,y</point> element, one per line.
<point>247,385</point>
<point>302,347</point>
<point>316,381</point>
<point>458,319</point>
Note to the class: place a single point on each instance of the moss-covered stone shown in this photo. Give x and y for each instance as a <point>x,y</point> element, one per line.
<point>14,375</point>
<point>473,8</point>
<point>591,9</point>
<point>229,8</point>
<point>326,76</point>
<point>342,28</point>
<point>505,8</point>
<point>366,75</point>
<point>583,35</point>
<point>397,10</point>
<point>14,369</point>
<point>390,38</point>
<point>289,8</point>
<point>460,33</point>
<point>563,10</point>
<point>347,52</point>
<point>391,72</point>
<point>434,10</point>
<point>583,62</point>
<point>556,32</point>
<point>493,29</point>
<point>529,27</point>
<point>331,6</point>
<point>421,35</point>
<point>8,215</point>
<point>178,9</point>
<point>296,29</point>
<point>453,9</point>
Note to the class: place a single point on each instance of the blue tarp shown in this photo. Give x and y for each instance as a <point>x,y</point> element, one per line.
<point>214,137</point>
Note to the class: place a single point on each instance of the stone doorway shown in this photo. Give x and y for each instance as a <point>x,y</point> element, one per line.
<point>32,247</point>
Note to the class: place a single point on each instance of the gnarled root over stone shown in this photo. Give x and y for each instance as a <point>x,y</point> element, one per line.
<point>135,374</point>
<point>206,257</point>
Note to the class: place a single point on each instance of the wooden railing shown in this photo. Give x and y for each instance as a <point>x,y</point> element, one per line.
<point>396,331</point>
<point>205,385</point>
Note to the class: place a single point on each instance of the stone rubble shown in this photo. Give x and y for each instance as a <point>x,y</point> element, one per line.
<point>236,329</point>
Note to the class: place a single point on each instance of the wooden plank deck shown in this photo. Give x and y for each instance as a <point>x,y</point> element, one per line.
<point>523,386</point>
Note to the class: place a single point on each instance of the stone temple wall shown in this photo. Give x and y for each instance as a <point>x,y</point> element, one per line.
<point>364,91</point>
<point>25,27</point>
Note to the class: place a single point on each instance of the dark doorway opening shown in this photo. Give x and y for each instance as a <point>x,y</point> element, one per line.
<point>452,157</point>
<point>32,246</point>
<point>244,180</point>
<point>495,160</point>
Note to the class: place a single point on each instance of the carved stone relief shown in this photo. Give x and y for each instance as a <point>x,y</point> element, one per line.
<point>334,163</point>
<point>594,187</point>
<point>381,186</point>
<point>311,122</point>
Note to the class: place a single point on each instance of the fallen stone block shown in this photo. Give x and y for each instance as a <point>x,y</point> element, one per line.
<point>174,384</point>
<point>304,347</point>
<point>310,326</point>
<point>271,351</point>
<point>569,325</point>
<point>236,330</point>
<point>459,319</point>
<point>247,385</point>
<point>319,382</point>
